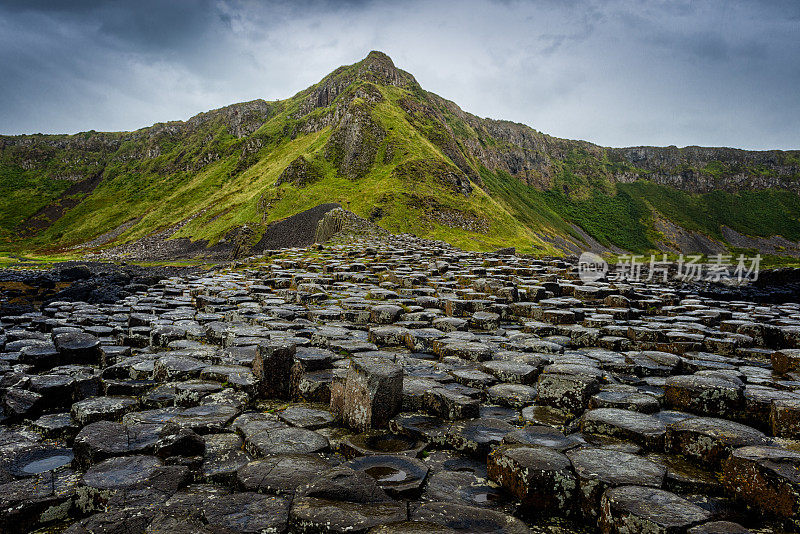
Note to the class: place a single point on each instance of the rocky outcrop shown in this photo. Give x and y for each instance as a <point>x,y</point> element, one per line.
<point>354,144</point>
<point>702,169</point>
<point>300,172</point>
<point>339,221</point>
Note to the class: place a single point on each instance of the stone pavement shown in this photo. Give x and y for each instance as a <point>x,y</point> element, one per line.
<point>396,385</point>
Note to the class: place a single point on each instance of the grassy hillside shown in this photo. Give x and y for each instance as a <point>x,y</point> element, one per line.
<point>369,137</point>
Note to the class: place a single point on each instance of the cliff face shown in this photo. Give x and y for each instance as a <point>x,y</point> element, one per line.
<point>702,169</point>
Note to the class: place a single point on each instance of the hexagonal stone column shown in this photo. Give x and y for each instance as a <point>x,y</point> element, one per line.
<point>708,440</point>
<point>373,392</point>
<point>651,510</point>
<point>600,469</point>
<point>272,366</point>
<point>539,477</point>
<point>765,477</point>
<point>704,395</point>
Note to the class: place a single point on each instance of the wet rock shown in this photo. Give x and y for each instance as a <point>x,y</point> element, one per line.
<point>422,427</point>
<point>373,393</point>
<point>512,395</point>
<point>177,367</point>
<point>765,477</point>
<point>477,436</point>
<point>461,518</point>
<point>102,409</point>
<point>785,418</point>
<point>31,502</point>
<point>396,475</point>
<point>280,474</point>
<point>205,419</point>
<point>786,360</point>
<point>36,460</point>
<point>704,395</point>
<point>718,527</point>
<point>381,442</point>
<point>248,513</point>
<point>463,487</point>
<point>512,372</point>
<point>286,441</point>
<point>176,441</point>
<point>313,515</point>
<point>77,347</point>
<point>343,500</point>
<point>118,479</point>
<point>135,520</point>
<point>450,405</point>
<point>542,479</point>
<point>710,440</point>
<point>411,527</point>
<point>57,426</point>
<point>569,392</point>
<point>543,436</point>
<point>644,509</point>
<point>625,400</point>
<point>640,428</point>
<point>303,417</point>
<point>272,367</point>
<point>223,457</point>
<point>600,469</point>
<point>21,403</point>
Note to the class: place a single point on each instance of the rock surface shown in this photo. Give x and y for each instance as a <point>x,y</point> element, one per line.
<point>397,385</point>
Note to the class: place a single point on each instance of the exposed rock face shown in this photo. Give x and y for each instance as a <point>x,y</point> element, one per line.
<point>355,141</point>
<point>299,172</point>
<point>730,169</point>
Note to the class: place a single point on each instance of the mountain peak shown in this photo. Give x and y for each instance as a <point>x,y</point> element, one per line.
<point>379,66</point>
<point>379,58</point>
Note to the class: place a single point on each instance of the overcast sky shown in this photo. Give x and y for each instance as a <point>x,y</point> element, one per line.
<point>616,72</point>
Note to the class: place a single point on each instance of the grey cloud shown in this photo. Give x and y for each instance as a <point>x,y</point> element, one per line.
<point>616,72</point>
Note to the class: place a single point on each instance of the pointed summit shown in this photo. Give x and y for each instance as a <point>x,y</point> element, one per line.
<point>380,68</point>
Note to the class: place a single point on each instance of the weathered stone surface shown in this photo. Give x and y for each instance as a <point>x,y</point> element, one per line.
<point>281,473</point>
<point>449,404</point>
<point>248,513</point>
<point>570,392</point>
<point>461,518</point>
<point>116,478</point>
<point>785,418</point>
<point>719,527</point>
<point>285,441</point>
<point>640,428</point>
<point>272,367</point>
<point>710,440</point>
<point>704,395</point>
<point>104,439</point>
<point>102,409</point>
<point>542,479</point>
<point>77,347</point>
<point>645,509</point>
<point>600,469</point>
<point>482,366</point>
<point>397,475</point>
<point>382,442</point>
<point>477,436</point>
<point>373,393</point>
<point>765,477</point>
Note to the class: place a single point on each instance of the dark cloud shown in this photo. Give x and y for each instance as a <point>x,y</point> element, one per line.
<point>616,72</point>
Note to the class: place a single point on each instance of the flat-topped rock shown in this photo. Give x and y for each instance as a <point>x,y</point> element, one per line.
<point>646,509</point>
